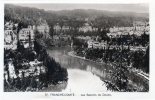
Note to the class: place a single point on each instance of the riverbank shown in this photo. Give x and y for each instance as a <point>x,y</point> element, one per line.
<point>71,53</point>
<point>138,72</point>
<point>104,71</point>
<point>135,80</point>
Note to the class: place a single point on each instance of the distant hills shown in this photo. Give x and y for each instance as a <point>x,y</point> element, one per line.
<point>32,15</point>
<point>92,12</point>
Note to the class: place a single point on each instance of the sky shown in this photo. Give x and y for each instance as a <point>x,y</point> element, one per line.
<point>139,8</point>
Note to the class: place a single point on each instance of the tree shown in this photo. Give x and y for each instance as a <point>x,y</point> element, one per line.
<point>119,77</point>
<point>103,35</point>
<point>37,47</point>
<point>138,59</point>
<point>146,61</point>
<point>51,31</point>
<point>20,47</point>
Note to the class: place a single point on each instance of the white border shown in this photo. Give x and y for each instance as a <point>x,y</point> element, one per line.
<point>78,1</point>
<point>115,95</point>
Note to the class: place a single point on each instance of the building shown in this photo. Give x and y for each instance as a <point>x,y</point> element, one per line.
<point>43,28</point>
<point>86,38</point>
<point>35,68</point>
<point>140,23</point>
<point>103,44</point>
<point>10,40</point>
<point>90,43</point>
<point>65,28</point>
<point>57,28</point>
<point>26,37</point>
<point>86,28</point>
<point>95,44</point>
<point>11,71</point>
<point>137,30</point>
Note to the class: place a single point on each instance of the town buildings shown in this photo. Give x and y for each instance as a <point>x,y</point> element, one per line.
<point>11,36</point>
<point>96,44</point>
<point>34,68</point>
<point>10,25</point>
<point>137,29</point>
<point>86,28</point>
<point>10,40</point>
<point>58,29</point>
<point>26,36</point>
<point>43,28</point>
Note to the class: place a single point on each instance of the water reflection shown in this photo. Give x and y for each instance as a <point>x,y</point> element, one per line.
<point>83,75</point>
<point>84,81</point>
<point>96,71</point>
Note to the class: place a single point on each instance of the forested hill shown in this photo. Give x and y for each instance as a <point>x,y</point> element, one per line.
<point>71,17</point>
<point>96,13</point>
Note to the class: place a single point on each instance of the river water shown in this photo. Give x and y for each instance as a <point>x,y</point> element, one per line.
<point>83,75</point>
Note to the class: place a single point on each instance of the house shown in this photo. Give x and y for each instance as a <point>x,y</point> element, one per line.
<point>86,38</point>
<point>86,28</point>
<point>26,37</point>
<point>95,44</point>
<point>65,28</point>
<point>139,23</point>
<point>57,28</point>
<point>34,68</point>
<point>90,43</point>
<point>9,25</point>
<point>103,44</point>
<point>10,40</point>
<point>112,35</point>
<point>43,28</point>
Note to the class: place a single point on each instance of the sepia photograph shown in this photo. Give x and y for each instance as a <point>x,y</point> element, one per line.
<point>76,47</point>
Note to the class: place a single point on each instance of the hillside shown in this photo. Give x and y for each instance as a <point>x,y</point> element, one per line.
<point>32,15</point>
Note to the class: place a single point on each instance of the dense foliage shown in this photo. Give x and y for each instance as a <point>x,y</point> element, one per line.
<point>74,19</point>
<point>22,56</point>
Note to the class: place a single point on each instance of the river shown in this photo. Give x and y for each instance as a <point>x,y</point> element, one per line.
<point>83,75</point>
<point>89,76</point>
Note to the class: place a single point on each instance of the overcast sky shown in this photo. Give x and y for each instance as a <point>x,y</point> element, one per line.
<point>140,8</point>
